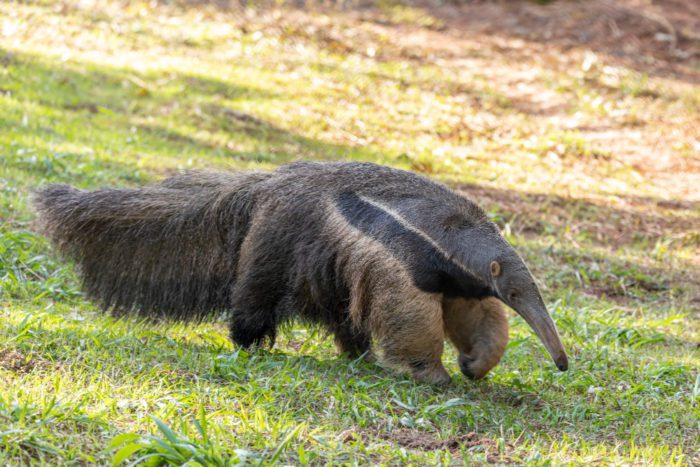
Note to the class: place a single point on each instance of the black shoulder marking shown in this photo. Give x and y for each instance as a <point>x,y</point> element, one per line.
<point>429,267</point>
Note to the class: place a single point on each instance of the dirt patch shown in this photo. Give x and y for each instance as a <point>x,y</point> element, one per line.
<point>610,293</point>
<point>295,345</point>
<point>517,398</point>
<point>425,441</point>
<point>514,65</point>
<point>658,37</point>
<point>16,362</point>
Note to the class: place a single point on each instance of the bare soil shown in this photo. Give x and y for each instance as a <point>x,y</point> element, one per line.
<point>424,441</point>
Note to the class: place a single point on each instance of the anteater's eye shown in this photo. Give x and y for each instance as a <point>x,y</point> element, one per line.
<point>512,296</point>
<point>495,269</point>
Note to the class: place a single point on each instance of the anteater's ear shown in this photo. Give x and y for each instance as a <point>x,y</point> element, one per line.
<point>495,269</point>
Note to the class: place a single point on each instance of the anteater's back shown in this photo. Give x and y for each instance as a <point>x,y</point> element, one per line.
<point>172,249</point>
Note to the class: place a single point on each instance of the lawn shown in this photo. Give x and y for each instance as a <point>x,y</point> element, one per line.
<point>588,162</point>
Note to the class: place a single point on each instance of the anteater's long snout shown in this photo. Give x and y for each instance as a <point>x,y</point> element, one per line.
<point>540,322</point>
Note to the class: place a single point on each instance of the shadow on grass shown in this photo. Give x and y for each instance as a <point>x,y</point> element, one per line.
<point>178,115</point>
<point>196,115</point>
<point>128,104</point>
<point>92,88</point>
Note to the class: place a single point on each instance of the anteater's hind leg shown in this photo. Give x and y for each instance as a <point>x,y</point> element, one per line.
<point>411,335</point>
<point>253,319</point>
<point>253,316</point>
<point>256,296</point>
<point>479,330</point>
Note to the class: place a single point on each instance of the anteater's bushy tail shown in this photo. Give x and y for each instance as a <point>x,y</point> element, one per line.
<point>166,250</point>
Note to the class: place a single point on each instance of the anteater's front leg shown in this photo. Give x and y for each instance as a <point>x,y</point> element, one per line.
<point>479,330</point>
<point>411,335</point>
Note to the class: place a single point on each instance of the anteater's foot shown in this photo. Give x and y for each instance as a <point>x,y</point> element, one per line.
<point>432,374</point>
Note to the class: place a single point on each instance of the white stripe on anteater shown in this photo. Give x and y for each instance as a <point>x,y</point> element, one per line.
<point>407,225</point>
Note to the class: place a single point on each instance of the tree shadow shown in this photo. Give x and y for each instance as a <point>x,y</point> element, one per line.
<point>155,113</point>
<point>89,87</point>
<point>107,99</point>
<point>638,217</point>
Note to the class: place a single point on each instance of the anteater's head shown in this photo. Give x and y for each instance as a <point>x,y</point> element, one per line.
<point>510,280</point>
<point>514,285</point>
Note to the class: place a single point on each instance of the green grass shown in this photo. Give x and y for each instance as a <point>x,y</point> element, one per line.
<point>119,96</point>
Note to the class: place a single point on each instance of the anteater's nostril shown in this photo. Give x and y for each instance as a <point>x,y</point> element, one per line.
<point>562,363</point>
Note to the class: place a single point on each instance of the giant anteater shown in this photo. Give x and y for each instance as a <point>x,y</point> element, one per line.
<point>378,256</point>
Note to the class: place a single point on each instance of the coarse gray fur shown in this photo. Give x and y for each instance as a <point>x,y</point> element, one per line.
<point>374,254</point>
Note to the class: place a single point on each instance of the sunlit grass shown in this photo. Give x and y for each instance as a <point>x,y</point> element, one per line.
<point>123,94</point>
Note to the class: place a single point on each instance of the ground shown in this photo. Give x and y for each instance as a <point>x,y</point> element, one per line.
<point>577,128</point>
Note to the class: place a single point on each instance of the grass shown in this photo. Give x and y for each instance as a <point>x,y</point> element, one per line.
<point>120,95</point>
